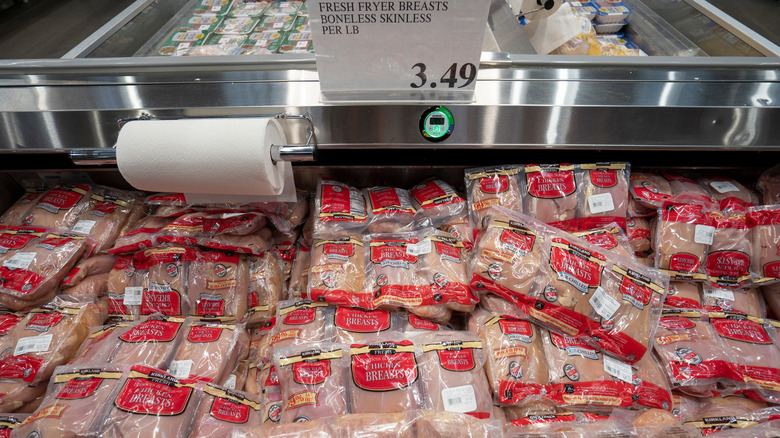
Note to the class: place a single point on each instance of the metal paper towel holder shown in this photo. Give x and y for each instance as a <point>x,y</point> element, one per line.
<point>297,153</point>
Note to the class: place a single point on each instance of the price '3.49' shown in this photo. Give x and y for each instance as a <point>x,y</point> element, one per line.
<point>451,77</point>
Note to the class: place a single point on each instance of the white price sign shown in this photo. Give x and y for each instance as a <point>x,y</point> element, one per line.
<point>422,48</point>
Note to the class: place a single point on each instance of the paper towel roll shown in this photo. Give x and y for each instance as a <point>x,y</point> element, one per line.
<point>210,156</point>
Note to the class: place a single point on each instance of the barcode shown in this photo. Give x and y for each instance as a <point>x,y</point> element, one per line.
<point>455,401</point>
<point>84,226</point>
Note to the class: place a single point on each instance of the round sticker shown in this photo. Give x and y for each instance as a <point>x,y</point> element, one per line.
<point>337,189</point>
<point>550,293</point>
<point>724,304</point>
<point>455,232</point>
<point>688,356</point>
<point>635,380</point>
<point>275,413</point>
<point>571,372</point>
<point>129,271</point>
<point>172,269</point>
<point>515,369</point>
<point>27,287</point>
<point>382,280</point>
<point>650,186</point>
<point>301,420</point>
<point>220,270</point>
<point>494,271</point>
<point>607,324</point>
<point>329,280</point>
<point>440,279</point>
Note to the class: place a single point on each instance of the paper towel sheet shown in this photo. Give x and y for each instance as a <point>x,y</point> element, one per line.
<point>288,193</point>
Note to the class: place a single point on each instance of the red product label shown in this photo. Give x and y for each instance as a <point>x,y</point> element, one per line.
<point>335,199</point>
<point>362,321</point>
<point>516,327</point>
<point>457,359</point>
<point>550,183</point>
<point>273,377</point>
<point>42,322</point>
<point>602,239</point>
<point>766,377</point>
<point>447,252</point>
<point>741,330</point>
<point>172,199</point>
<point>79,388</point>
<point>7,322</point>
<point>636,294</point>
<point>103,208</point>
<point>152,330</point>
<point>518,242</point>
<point>385,367</point>
<point>311,373</point>
<point>301,316</point>
<point>116,306</point>
<point>681,303</point>
<point>386,198</point>
<point>341,251</point>
<point>763,217</point>
<point>21,367</point>
<point>685,213</point>
<point>602,393</point>
<point>204,334</point>
<point>544,419</point>
<point>494,184</point>
<point>55,242</point>
<point>60,198</point>
<point>649,192</point>
<point>153,397</point>
<point>167,303</point>
<point>392,252</point>
<point>576,268</point>
<point>20,280</point>
<point>211,308</point>
<point>604,178</point>
<point>727,264</point>
<point>426,191</point>
<point>14,241</point>
<point>676,323</point>
<point>772,269</point>
<point>225,409</point>
<point>514,392</point>
<point>564,342</point>
<point>684,262</point>
<point>422,323</point>
<point>697,369</point>
<point>638,234</point>
<point>226,225</point>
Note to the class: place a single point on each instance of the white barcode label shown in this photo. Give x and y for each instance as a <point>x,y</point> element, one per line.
<point>618,369</point>
<point>230,383</point>
<point>719,293</point>
<point>724,186</point>
<point>603,304</point>
<point>301,44</point>
<point>180,368</point>
<point>459,399</point>
<point>703,234</point>
<point>133,296</point>
<point>32,344</point>
<point>216,8</point>
<point>20,260</point>
<point>419,248</point>
<point>84,226</point>
<point>601,203</point>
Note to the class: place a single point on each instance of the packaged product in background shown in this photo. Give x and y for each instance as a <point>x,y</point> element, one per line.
<point>490,186</point>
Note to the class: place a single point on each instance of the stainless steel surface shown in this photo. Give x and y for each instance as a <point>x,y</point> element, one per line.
<point>93,157</point>
<point>744,33</point>
<point>655,36</point>
<point>295,154</point>
<point>86,47</point>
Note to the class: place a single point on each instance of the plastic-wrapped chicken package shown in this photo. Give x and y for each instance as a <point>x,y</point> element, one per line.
<point>515,362</point>
<point>683,237</point>
<point>409,323</point>
<point>222,409</point>
<point>694,359</point>
<point>451,365</point>
<point>506,258</point>
<point>491,186</point>
<point>683,295</point>
<point>152,404</point>
<point>33,263</point>
<point>353,324</point>
<point>650,191</point>
<point>765,238</point>
<point>96,348</point>
<point>769,186</point>
<point>108,211</point>
<point>403,270</point>
<point>152,341</point>
<point>46,338</point>
<point>610,237</point>
<point>217,285</point>
<point>385,375</point>
<point>299,275</point>
<point>100,264</point>
<point>685,189</point>
<point>16,213</point>
<point>729,256</point>
<point>141,236</point>
<point>300,322</point>
<point>60,207</point>
<point>460,228</point>
<point>550,192</point>
<point>744,301</point>
<point>771,296</point>
<point>202,228</point>
<point>438,201</point>
<point>729,194</point>
<point>710,418</point>
<point>265,287</point>
<point>754,350</point>
<point>208,351</point>
<point>638,230</point>
<point>9,422</point>
<point>338,208</point>
<point>338,271</point>
<point>165,280</point>
<point>371,425</point>
<point>389,210</point>
<point>313,381</point>
<point>604,195</point>
<point>627,307</point>
<point>75,401</point>
<point>445,267</point>
<point>283,246</point>
<point>16,397</point>
<point>442,424</point>
<point>125,288</point>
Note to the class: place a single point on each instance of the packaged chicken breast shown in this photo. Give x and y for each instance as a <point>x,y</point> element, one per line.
<point>385,376</point>
<point>649,190</point>
<point>300,322</point>
<point>638,230</point>
<point>60,207</point>
<point>684,235</point>
<point>389,210</point>
<point>223,409</point>
<point>438,202</point>
<point>338,207</point>
<point>685,189</point>
<point>353,324</point>
<point>683,295</point>
<point>769,186</point>
<point>451,365</point>
<point>515,362</point>
<point>152,341</point>
<point>165,280</point>
<point>485,187</point>
<point>338,271</point>
<point>299,275</point>
<point>742,301</point>
<point>125,288</point>
<point>604,194</point>
<point>730,194</point>
<point>208,351</point>
<point>141,236</point>
<point>313,379</point>
<point>46,338</point>
<point>99,264</point>
<point>75,402</point>
<point>265,287</point>
<point>609,236</point>
<point>765,238</point>
<point>550,192</point>
<point>18,211</point>
<point>460,228</point>
<point>728,258</point>
<point>108,212</point>
<point>217,286</point>
<point>445,267</point>
<point>99,347</point>
<point>152,403</point>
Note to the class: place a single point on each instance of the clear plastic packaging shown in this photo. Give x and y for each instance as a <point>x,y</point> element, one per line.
<point>299,275</point>
<point>445,268</point>
<point>742,301</point>
<point>649,190</point>
<point>124,289</point>
<point>729,256</point>
<point>17,397</point>
<point>604,194</point>
<point>313,381</point>
<point>638,230</point>
<point>108,211</point>
<point>765,238</point>
<point>60,207</point>
<point>152,341</point>
<point>389,210</point>
<point>768,184</point>
<point>99,264</point>
<point>353,325</point>
<point>460,228</point>
<point>684,234</point>
<point>141,236</point>
<point>222,409</point>
<point>299,323</point>
<point>337,272</point>
<point>164,279</point>
<point>549,192</point>
<point>683,295</point>
<point>438,201</point>
<point>265,287</point>
<point>490,186</point>
<point>609,236</point>
<point>730,195</point>
<point>338,208</point>
<point>217,286</point>
<point>208,352</point>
